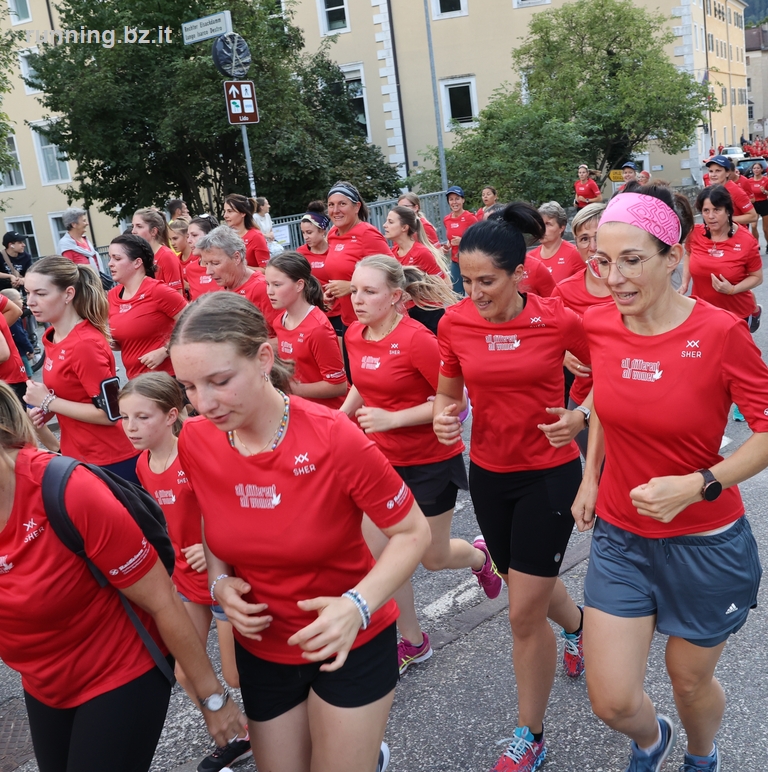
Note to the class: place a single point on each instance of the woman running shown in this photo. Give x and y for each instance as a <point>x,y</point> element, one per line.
<point>94,696</point>
<point>456,224</point>
<point>78,359</point>
<point>524,472</point>
<point>672,550</point>
<point>560,257</point>
<point>585,189</point>
<point>490,198</point>
<point>390,400</point>
<point>150,224</point>
<point>283,484</point>
<point>238,215</point>
<point>150,409</point>
<point>142,310</point>
<point>412,201</point>
<point>304,334</point>
<point>178,231</point>
<point>196,277</point>
<point>758,185</point>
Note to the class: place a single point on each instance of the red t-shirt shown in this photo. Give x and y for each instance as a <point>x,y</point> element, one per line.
<point>663,402</point>
<point>578,298</point>
<point>705,179</point>
<point>564,263</point>
<point>144,322</point>
<point>175,497</point>
<point>457,226</point>
<point>429,229</point>
<point>395,373</point>
<point>345,252</point>
<point>319,271</point>
<point>70,639</point>
<point>513,372</point>
<point>587,189</point>
<point>744,184</point>
<point>757,188</point>
<point>76,257</point>
<point>197,278</point>
<point>536,278</point>
<point>12,370</point>
<point>741,202</point>
<point>735,258</point>
<point>256,249</point>
<point>168,268</point>
<point>421,257</point>
<point>288,522</point>
<point>255,289</point>
<point>314,350</point>
<point>74,368</point>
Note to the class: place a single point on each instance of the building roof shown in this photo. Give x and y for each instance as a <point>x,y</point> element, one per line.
<point>756,38</point>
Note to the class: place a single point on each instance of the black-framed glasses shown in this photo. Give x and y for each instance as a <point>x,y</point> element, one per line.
<point>629,266</point>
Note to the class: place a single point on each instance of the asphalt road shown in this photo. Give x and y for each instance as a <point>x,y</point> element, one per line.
<point>453,712</point>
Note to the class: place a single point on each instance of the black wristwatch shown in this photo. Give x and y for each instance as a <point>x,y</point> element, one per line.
<point>216,701</point>
<point>712,488</point>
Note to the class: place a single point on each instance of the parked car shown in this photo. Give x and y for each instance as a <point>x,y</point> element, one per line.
<point>735,153</point>
<point>745,165</point>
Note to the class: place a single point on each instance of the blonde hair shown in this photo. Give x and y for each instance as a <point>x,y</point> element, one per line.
<point>426,291</point>
<point>587,214</point>
<point>180,225</point>
<point>16,429</point>
<point>154,219</point>
<point>226,317</point>
<point>90,301</point>
<point>161,389</point>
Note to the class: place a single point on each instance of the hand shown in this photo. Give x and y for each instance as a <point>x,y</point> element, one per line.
<point>153,359</point>
<point>225,724</point>
<point>577,367</point>
<point>336,288</point>
<point>663,498</point>
<point>583,508</point>
<point>447,426</point>
<point>374,419</point>
<point>229,593</point>
<point>195,557</point>
<point>36,393</point>
<point>17,281</point>
<point>560,433</point>
<point>455,241</point>
<point>38,417</point>
<point>722,284</point>
<point>333,632</point>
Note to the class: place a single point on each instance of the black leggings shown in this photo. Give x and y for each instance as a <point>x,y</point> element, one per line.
<point>118,730</point>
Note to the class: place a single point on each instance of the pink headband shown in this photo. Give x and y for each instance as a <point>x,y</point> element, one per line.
<point>645,212</point>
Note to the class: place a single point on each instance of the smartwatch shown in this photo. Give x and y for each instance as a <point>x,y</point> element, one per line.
<point>216,701</point>
<point>711,488</point>
<point>587,413</point>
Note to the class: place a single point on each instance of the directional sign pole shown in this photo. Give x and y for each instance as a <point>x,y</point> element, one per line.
<point>249,165</point>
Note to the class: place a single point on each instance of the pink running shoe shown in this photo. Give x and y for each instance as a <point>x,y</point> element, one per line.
<point>408,654</point>
<point>573,653</point>
<point>523,753</point>
<point>487,577</point>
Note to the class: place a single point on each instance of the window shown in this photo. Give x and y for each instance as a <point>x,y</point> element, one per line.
<point>459,101</point>
<point>750,112</point>
<point>526,3</point>
<point>733,96</point>
<point>57,226</point>
<point>730,51</point>
<point>749,84</point>
<point>711,41</point>
<point>709,7</point>
<point>696,36</point>
<point>27,70</point>
<point>747,61</point>
<point>729,16</point>
<point>53,167</point>
<point>19,11</point>
<point>13,179</point>
<point>353,74</point>
<point>448,9</point>
<point>334,16</point>
<point>27,229</point>
<point>723,96</point>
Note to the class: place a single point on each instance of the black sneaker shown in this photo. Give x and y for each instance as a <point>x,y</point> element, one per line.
<point>383,758</point>
<point>235,751</point>
<point>754,320</point>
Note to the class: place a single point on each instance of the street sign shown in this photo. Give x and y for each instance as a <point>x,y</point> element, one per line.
<point>231,55</point>
<point>615,175</point>
<point>207,27</point>
<point>241,102</point>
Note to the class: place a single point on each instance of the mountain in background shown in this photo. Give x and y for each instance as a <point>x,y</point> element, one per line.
<point>756,12</point>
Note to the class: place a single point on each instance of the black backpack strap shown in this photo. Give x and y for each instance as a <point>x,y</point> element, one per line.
<point>55,478</point>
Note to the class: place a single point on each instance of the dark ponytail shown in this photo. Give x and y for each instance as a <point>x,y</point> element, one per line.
<point>297,268</point>
<point>501,236</point>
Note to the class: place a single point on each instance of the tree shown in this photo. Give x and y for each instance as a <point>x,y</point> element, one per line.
<point>10,42</point>
<point>148,122</point>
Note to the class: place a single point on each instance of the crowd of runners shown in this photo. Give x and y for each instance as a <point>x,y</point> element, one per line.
<point>297,416</point>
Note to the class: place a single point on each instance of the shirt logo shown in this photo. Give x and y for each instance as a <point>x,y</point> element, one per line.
<point>5,566</point>
<point>733,607</point>
<point>690,352</point>
<point>258,496</point>
<point>205,279</point>
<point>640,370</point>
<point>285,347</point>
<point>302,458</point>
<point>306,467</point>
<point>125,308</point>
<point>134,561</point>
<point>30,525</point>
<point>502,342</point>
<point>165,497</point>
<point>338,247</point>
<point>399,498</point>
<point>48,363</point>
<point>394,348</point>
<point>370,363</point>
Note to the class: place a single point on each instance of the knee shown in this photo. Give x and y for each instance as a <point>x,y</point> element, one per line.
<point>434,561</point>
<point>689,686</point>
<point>613,708</point>
<point>526,622</point>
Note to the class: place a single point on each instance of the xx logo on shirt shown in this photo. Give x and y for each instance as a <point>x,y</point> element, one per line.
<point>640,370</point>
<point>502,342</point>
<point>306,468</point>
<point>394,348</point>
<point>690,351</point>
<point>536,321</point>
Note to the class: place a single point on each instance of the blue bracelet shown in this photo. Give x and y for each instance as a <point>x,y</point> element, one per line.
<point>361,605</point>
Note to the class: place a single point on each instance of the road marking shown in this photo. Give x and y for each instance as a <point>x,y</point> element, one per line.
<point>725,441</point>
<point>445,603</point>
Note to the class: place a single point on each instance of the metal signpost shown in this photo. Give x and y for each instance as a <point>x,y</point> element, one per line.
<point>242,108</point>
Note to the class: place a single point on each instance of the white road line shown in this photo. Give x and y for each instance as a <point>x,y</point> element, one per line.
<point>446,603</point>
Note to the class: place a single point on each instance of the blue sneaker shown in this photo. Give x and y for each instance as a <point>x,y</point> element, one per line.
<point>702,763</point>
<point>737,414</point>
<point>653,762</point>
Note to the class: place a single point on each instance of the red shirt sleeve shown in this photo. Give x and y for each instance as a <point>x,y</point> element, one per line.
<point>92,365</point>
<point>75,257</point>
<point>572,330</point>
<point>325,349</point>
<point>450,366</point>
<point>168,300</point>
<point>740,199</point>
<point>256,249</point>
<point>428,359</point>
<point>745,375</point>
<point>754,260</point>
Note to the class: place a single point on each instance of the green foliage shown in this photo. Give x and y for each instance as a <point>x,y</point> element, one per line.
<point>756,12</point>
<point>10,42</point>
<point>148,122</point>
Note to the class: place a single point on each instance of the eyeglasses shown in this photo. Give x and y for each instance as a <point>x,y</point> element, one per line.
<point>629,266</point>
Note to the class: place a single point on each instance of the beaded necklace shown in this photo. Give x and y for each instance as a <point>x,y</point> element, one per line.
<point>276,437</point>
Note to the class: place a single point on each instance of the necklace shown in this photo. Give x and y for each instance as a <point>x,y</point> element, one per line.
<point>274,439</point>
<point>392,327</point>
<point>164,466</point>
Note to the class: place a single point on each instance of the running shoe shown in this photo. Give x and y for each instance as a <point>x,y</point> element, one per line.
<point>653,762</point>
<point>523,753</point>
<point>487,577</point>
<point>235,751</point>
<point>737,414</point>
<point>383,758</point>
<point>754,319</point>
<point>408,654</point>
<point>702,764</point>
<point>573,653</point>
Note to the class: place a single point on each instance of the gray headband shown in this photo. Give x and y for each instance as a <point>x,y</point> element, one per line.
<point>345,189</point>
